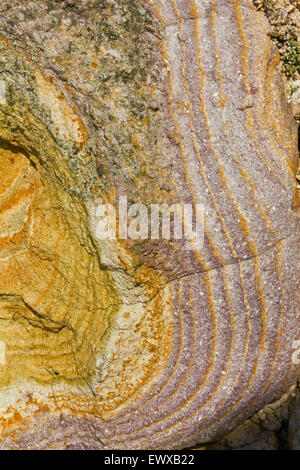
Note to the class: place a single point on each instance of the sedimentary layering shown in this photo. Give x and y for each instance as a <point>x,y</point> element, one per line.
<point>125,344</point>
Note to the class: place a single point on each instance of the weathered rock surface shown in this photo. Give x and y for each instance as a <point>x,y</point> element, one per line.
<point>275,427</point>
<point>125,344</point>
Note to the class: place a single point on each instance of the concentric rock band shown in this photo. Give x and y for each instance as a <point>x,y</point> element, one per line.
<point>122,344</point>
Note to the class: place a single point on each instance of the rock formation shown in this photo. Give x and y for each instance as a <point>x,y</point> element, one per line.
<point>142,344</point>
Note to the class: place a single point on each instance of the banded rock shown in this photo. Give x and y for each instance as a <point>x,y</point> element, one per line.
<point>133,345</point>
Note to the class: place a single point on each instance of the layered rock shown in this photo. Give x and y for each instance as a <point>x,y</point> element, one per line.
<point>143,344</point>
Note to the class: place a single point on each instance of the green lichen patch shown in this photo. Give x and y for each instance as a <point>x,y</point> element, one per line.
<point>263,4</point>
<point>290,56</point>
<point>284,18</point>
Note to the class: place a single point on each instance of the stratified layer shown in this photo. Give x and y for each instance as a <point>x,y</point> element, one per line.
<point>180,346</point>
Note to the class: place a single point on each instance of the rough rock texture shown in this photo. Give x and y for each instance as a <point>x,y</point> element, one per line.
<point>123,344</point>
<point>275,427</point>
<point>284,18</point>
